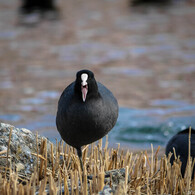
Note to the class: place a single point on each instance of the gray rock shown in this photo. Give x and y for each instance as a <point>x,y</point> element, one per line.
<point>106,191</point>
<point>22,145</point>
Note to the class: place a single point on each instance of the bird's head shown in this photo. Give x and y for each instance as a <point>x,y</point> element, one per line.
<point>85,84</point>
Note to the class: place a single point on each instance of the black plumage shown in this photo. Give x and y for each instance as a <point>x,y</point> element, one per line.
<point>87,111</point>
<point>180,143</point>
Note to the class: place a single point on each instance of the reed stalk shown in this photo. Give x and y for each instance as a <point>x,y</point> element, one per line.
<point>60,172</point>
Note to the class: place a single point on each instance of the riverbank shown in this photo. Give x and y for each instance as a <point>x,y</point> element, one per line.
<point>56,168</point>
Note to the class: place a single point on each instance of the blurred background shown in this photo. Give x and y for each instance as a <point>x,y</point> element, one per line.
<point>143,52</point>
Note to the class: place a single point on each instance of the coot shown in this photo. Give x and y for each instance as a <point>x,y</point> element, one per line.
<point>87,111</point>
<point>180,143</point>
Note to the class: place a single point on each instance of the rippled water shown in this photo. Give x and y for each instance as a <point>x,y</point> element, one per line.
<point>145,56</point>
<point>136,128</point>
<point>140,128</point>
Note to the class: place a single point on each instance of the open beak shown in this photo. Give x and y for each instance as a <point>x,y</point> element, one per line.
<point>84,90</point>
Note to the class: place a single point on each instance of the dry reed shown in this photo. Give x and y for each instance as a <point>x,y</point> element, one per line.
<point>124,172</point>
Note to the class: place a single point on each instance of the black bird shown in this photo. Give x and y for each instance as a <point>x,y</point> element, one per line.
<point>180,143</point>
<point>87,111</point>
<point>28,6</point>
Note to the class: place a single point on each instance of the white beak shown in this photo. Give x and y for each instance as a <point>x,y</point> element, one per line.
<point>84,86</point>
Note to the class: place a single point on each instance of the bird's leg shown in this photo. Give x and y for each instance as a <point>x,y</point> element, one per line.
<point>79,152</point>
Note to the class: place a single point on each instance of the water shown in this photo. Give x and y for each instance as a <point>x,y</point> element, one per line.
<point>139,128</point>
<point>144,56</point>
<point>135,128</point>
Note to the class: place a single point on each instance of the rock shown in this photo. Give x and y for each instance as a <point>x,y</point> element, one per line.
<point>20,166</point>
<point>106,191</point>
<point>22,145</point>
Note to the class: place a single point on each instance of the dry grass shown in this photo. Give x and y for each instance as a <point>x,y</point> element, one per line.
<point>144,173</point>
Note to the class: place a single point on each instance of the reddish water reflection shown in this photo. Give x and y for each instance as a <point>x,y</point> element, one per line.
<point>142,55</point>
